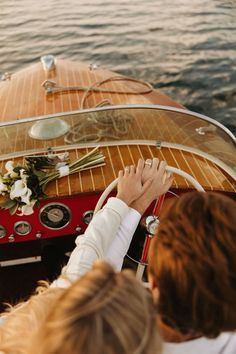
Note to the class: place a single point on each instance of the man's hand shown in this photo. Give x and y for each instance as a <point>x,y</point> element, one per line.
<point>159,183</point>
<point>130,185</point>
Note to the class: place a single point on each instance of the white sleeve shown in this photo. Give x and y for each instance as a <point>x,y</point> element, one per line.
<point>121,243</point>
<point>95,242</point>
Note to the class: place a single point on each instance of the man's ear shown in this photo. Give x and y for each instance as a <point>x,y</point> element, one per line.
<point>154,288</point>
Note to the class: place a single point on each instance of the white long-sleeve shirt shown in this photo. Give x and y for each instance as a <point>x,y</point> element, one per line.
<point>120,245</point>
<point>107,237</point>
<point>225,343</point>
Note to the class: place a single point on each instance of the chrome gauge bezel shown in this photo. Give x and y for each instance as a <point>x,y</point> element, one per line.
<point>22,223</point>
<point>87,216</point>
<point>3,231</point>
<point>55,225</point>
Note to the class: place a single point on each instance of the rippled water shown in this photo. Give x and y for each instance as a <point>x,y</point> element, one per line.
<point>185,47</point>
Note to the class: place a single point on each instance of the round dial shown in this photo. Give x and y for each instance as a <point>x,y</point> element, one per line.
<point>2,231</point>
<point>55,216</point>
<point>87,216</point>
<point>22,228</point>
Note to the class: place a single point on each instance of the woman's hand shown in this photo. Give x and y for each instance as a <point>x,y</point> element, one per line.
<point>130,185</point>
<point>159,183</point>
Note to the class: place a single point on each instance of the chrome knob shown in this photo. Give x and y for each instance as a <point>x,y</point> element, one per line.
<point>11,238</point>
<point>38,234</point>
<point>93,66</point>
<point>150,223</point>
<point>78,228</point>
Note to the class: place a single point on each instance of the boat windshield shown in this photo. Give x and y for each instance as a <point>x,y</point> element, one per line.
<point>164,126</point>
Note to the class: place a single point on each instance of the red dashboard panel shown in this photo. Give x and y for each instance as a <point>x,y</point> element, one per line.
<point>47,220</point>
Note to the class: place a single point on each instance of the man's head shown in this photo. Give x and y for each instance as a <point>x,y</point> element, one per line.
<point>192,264</point>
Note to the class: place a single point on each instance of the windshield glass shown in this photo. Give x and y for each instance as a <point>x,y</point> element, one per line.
<point>161,125</point>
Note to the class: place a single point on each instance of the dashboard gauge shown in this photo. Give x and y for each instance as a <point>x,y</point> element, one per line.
<point>22,228</point>
<point>87,216</point>
<point>2,231</point>
<point>55,216</point>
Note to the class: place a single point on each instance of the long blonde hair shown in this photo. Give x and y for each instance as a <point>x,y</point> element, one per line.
<point>103,312</point>
<point>22,321</point>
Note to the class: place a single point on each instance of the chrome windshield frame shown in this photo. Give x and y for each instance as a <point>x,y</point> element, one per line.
<point>116,107</point>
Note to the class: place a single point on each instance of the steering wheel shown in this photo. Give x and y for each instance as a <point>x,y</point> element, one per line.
<point>157,208</point>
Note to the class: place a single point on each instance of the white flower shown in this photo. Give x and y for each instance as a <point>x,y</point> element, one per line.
<point>18,189</point>
<point>26,197</point>
<point>9,166</point>
<point>27,209</point>
<point>23,175</point>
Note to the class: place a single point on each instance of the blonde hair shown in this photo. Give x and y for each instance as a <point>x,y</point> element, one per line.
<point>103,312</point>
<point>22,321</point>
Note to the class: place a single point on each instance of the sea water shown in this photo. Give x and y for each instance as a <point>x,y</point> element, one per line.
<point>186,48</point>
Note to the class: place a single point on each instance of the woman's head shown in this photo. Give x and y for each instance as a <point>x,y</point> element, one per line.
<point>192,261</point>
<point>103,312</point>
<point>23,320</point>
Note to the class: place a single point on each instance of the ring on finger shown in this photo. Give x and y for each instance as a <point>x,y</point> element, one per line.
<point>148,163</point>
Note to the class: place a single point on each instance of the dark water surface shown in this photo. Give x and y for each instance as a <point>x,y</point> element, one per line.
<point>185,47</point>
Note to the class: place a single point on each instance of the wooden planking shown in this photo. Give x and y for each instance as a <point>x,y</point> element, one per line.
<point>117,157</point>
<point>25,87</point>
<point>8,90</point>
<point>74,180</point>
<point>216,174</point>
<point>23,96</point>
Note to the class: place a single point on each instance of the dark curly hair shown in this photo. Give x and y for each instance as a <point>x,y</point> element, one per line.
<point>193,262</point>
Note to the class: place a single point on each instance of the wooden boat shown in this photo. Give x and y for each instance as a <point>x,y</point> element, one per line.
<point>57,106</point>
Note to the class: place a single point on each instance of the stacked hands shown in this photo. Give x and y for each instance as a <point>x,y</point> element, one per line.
<point>139,186</point>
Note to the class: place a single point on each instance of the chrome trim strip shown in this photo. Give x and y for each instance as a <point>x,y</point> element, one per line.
<point>211,158</point>
<point>17,261</point>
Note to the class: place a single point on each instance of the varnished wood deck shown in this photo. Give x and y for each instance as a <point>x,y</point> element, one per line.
<point>23,97</point>
<point>17,94</point>
<point>96,180</point>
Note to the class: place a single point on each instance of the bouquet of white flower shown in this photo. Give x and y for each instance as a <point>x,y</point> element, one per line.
<point>24,186</point>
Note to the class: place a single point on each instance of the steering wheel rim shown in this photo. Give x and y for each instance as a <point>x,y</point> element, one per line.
<point>112,185</point>
<point>170,169</point>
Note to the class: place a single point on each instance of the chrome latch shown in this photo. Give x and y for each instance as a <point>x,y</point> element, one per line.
<point>207,129</point>
<point>93,67</point>
<point>49,86</point>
